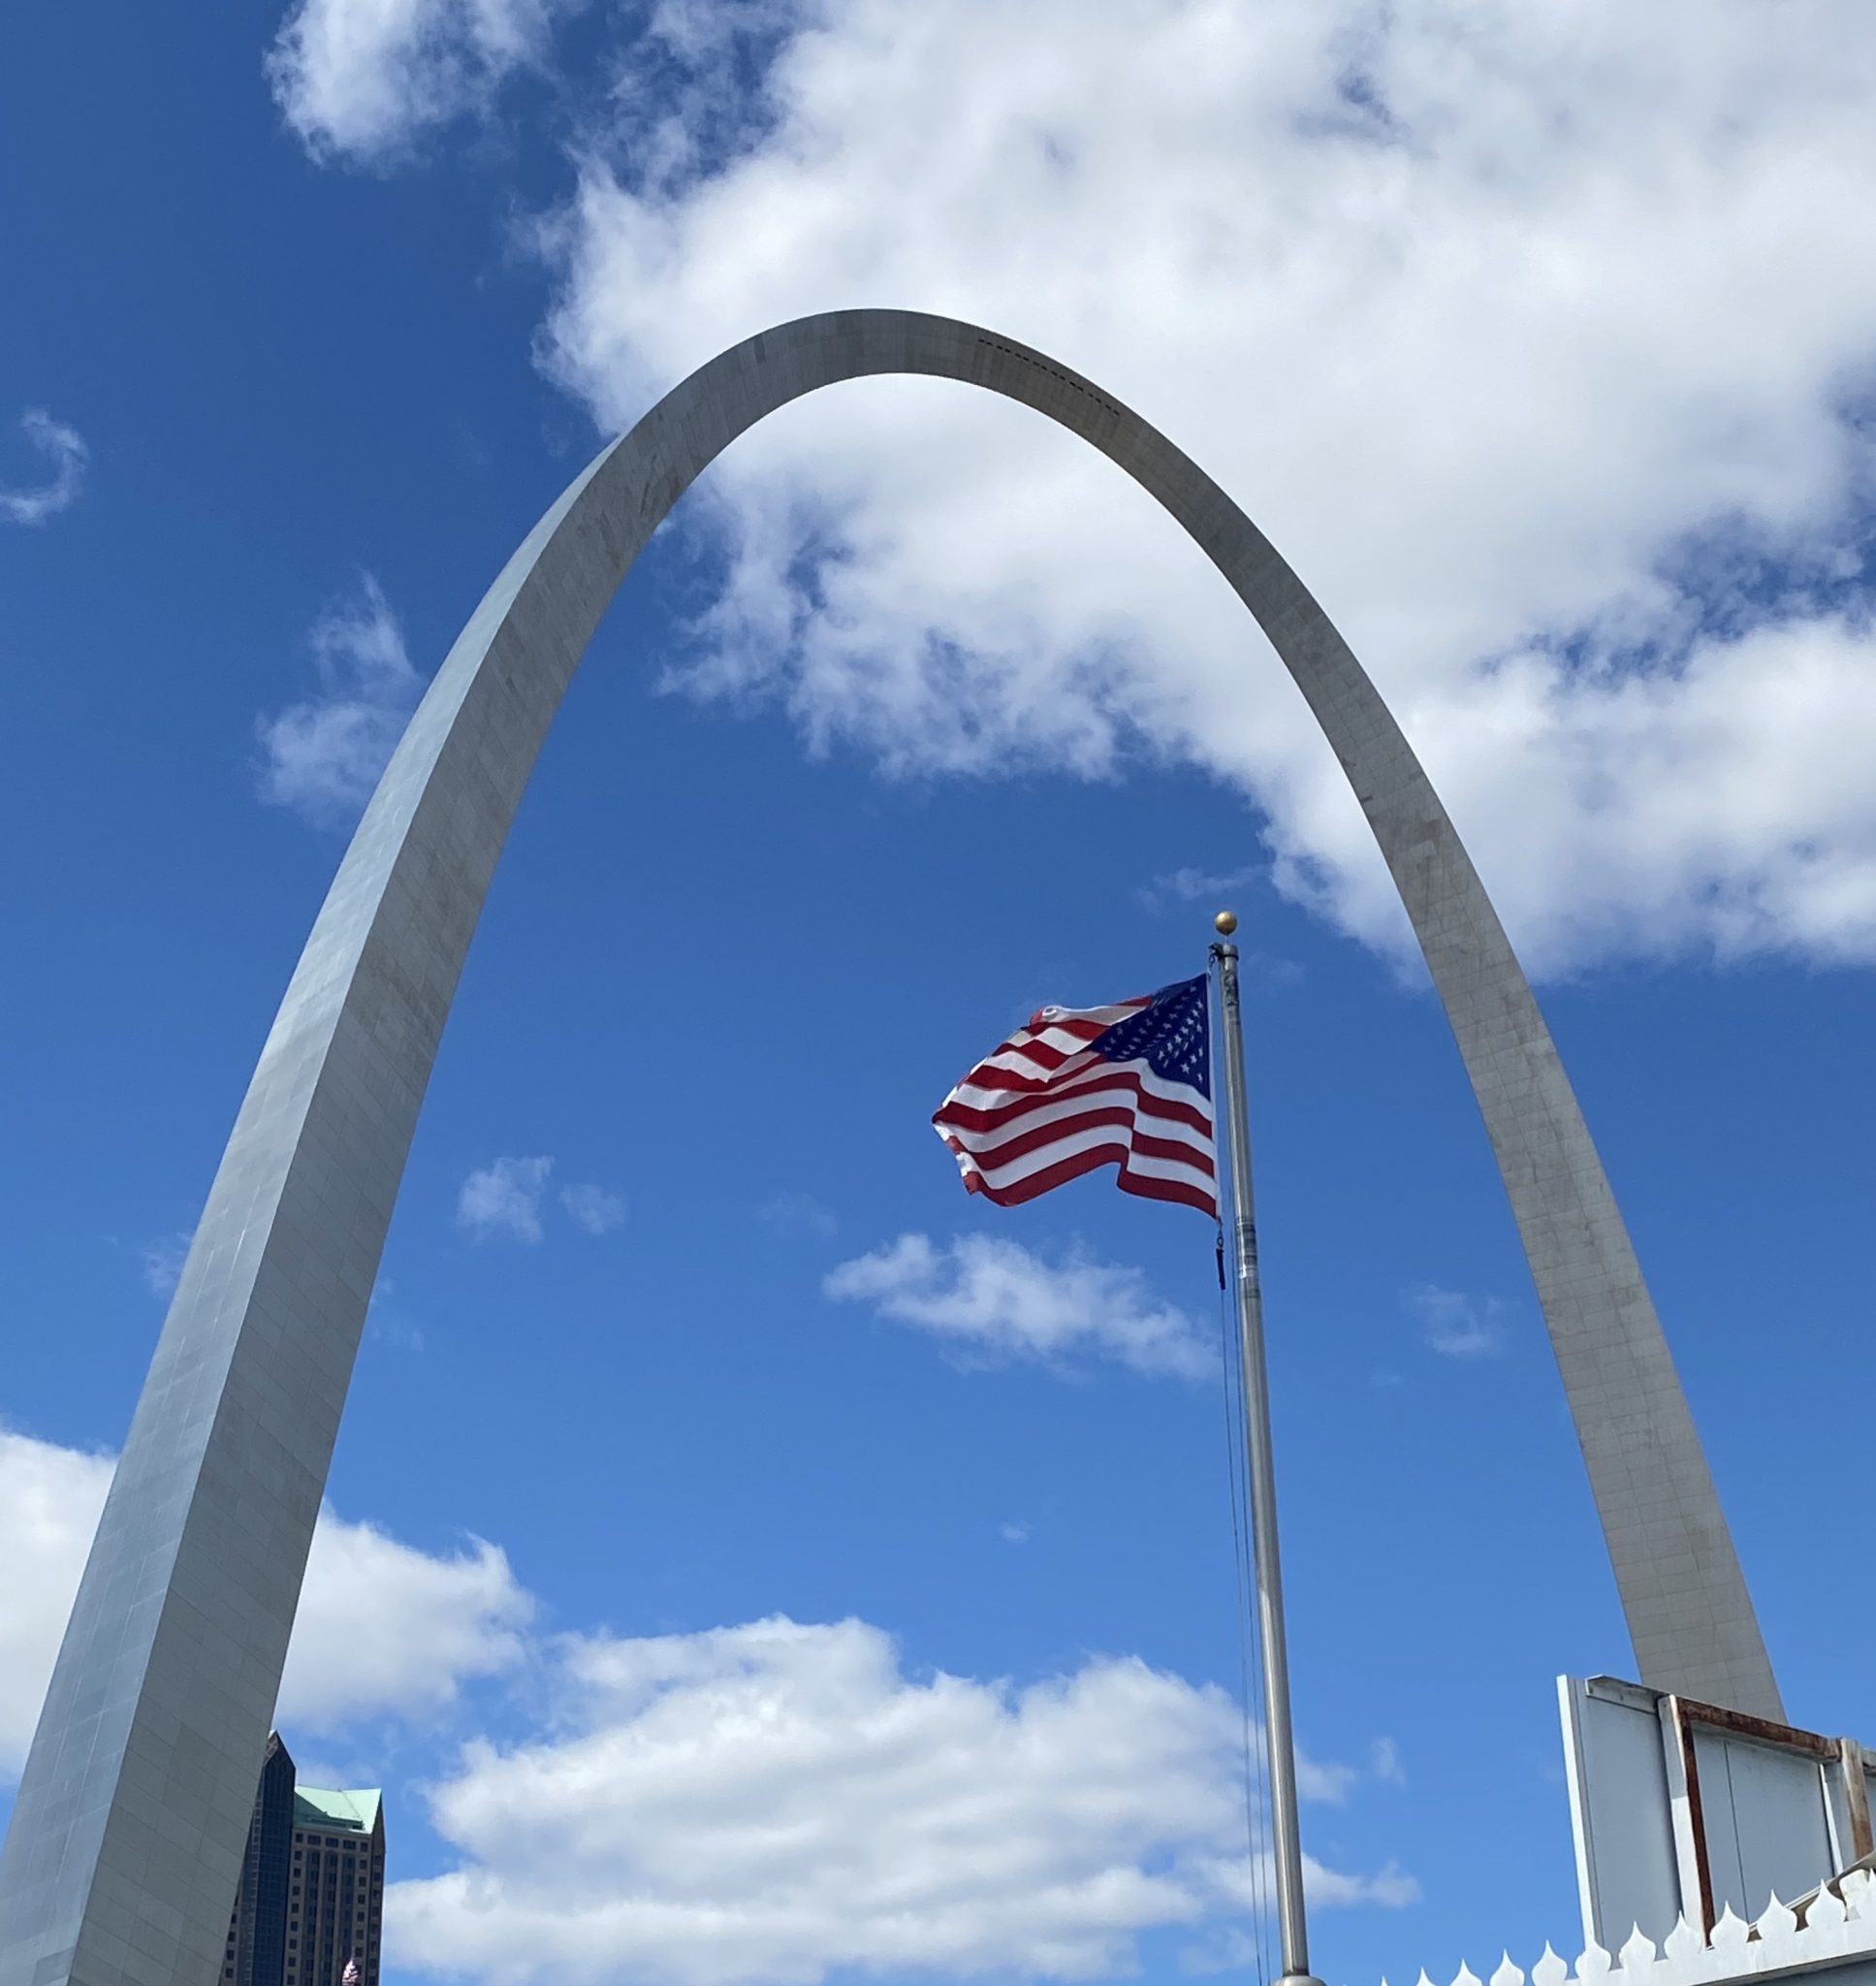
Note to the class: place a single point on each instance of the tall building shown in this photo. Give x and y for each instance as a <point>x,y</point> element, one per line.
<point>257,1938</point>
<point>311,1897</point>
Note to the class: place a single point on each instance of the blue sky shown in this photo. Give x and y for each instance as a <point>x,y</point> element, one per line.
<point>1539,347</point>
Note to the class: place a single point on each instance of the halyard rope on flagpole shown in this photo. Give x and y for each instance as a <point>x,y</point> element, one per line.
<point>1255,1795</point>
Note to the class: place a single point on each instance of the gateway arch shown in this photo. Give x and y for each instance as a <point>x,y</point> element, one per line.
<point>121,1861</point>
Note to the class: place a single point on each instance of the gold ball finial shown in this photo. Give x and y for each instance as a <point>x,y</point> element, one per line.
<point>1225,923</point>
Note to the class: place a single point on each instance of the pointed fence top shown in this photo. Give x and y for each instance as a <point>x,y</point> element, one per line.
<point>1834,1922</point>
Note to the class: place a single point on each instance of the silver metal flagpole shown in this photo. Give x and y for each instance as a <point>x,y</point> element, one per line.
<point>1280,1749</point>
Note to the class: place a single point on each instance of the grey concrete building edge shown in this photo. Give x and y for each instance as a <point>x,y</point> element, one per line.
<point>120,1864</point>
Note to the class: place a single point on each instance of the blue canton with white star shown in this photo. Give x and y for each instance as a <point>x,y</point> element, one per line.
<point>1171,1036</point>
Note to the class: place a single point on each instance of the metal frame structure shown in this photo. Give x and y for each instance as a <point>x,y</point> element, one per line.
<point>1683,1810</point>
<point>1682,1717</point>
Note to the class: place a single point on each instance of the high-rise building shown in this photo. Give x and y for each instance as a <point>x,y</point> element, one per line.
<point>311,1897</point>
<point>257,1938</point>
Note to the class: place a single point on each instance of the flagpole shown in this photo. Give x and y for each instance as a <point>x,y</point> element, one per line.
<point>1280,1751</point>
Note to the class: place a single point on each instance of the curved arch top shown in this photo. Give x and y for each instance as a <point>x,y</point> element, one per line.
<point>126,1838</point>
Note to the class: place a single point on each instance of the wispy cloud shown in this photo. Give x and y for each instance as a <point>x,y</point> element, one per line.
<point>322,755</point>
<point>364,80</point>
<point>65,450</point>
<point>1015,1532</point>
<point>503,1197</point>
<point>1195,885</point>
<point>993,1298</point>
<point>595,1209</point>
<point>799,1213</point>
<point>1454,1325</point>
<point>385,1319</point>
<point>163,1262</point>
<point>1384,1763</point>
<point>1217,890</point>
<point>1232,1949</point>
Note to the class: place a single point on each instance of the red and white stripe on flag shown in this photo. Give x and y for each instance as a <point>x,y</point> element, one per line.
<point>1049,1105</point>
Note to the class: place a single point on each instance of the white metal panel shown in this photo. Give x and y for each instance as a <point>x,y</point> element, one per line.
<point>1618,1810</point>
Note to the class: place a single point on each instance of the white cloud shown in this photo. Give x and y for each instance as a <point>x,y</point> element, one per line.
<point>776,1802</point>
<point>1454,1325</point>
<point>992,1296</point>
<point>1386,1763</point>
<point>1540,339</point>
<point>505,1198</point>
<point>49,1501</point>
<point>767,1802</point>
<point>322,756</point>
<point>383,1629</point>
<point>65,451</point>
<point>364,80</point>
<point>595,1209</point>
<point>1014,1533</point>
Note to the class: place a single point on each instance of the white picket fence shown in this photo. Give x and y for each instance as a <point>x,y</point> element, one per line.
<point>1833,1926</point>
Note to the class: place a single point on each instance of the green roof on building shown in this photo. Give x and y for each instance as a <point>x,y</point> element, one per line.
<point>356,1812</point>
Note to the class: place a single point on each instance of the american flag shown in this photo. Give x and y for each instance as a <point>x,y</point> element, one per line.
<point>1086,1086</point>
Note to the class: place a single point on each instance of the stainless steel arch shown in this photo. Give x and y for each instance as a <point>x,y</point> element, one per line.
<point>121,1861</point>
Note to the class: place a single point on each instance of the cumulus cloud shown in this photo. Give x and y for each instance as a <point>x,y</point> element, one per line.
<point>49,1501</point>
<point>1454,1325</point>
<point>779,1801</point>
<point>384,1629</point>
<point>992,1296</point>
<point>764,1801</point>
<point>322,755</point>
<point>65,453</point>
<point>505,1198</point>
<point>364,80</point>
<point>595,1209</point>
<point>1540,340</point>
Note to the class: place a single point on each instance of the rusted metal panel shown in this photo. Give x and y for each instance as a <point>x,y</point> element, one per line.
<point>1681,1808</point>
